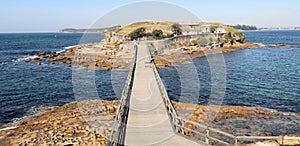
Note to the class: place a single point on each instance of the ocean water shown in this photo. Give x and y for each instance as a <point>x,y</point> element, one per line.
<point>259,77</point>
<point>25,87</point>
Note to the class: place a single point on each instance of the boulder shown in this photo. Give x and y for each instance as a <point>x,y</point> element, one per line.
<point>37,58</point>
<point>41,54</point>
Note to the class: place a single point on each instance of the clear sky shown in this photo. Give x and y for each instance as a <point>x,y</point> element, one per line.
<point>51,15</point>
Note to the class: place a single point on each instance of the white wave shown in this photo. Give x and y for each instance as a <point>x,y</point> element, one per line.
<point>261,44</point>
<point>61,51</point>
<point>65,49</point>
<point>26,58</point>
<point>34,110</point>
<point>2,63</point>
<point>29,113</point>
<point>69,47</point>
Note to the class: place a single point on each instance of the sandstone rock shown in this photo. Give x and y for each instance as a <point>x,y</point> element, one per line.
<point>68,62</point>
<point>38,62</point>
<point>41,53</point>
<point>265,143</point>
<point>37,58</point>
<point>45,56</point>
<point>289,142</point>
<point>54,126</point>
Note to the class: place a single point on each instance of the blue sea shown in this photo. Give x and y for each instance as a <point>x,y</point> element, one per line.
<point>26,87</point>
<point>259,77</point>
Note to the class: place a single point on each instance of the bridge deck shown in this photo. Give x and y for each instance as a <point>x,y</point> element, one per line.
<point>148,121</point>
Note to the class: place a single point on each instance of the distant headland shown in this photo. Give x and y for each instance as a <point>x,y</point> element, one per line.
<point>74,30</point>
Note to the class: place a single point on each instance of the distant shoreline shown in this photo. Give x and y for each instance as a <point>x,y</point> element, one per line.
<point>73,30</point>
<point>269,30</point>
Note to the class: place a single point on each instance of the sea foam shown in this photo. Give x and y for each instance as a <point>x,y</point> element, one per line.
<point>65,49</point>
<point>25,58</point>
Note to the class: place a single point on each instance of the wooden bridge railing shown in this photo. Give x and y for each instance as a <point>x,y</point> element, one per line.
<point>117,134</point>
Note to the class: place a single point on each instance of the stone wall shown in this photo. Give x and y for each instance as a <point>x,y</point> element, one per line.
<point>112,37</point>
<point>188,38</point>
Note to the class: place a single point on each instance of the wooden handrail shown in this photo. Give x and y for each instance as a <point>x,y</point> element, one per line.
<point>117,135</point>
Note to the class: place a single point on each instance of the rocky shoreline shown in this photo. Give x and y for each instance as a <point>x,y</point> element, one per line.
<point>83,123</point>
<point>89,123</point>
<point>109,57</point>
<point>244,121</point>
<point>183,53</point>
<point>100,55</point>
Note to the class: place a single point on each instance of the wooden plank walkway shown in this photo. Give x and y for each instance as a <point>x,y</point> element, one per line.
<point>148,121</point>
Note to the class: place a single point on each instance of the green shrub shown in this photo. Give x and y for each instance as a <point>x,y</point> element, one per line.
<point>176,29</point>
<point>233,30</point>
<point>138,33</point>
<point>211,40</point>
<point>157,33</point>
<point>202,41</point>
<point>234,34</point>
<point>212,29</point>
<point>242,37</point>
<point>149,34</point>
<point>169,35</point>
<point>228,37</point>
<point>194,43</point>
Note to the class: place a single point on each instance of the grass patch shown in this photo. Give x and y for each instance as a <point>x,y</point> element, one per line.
<point>233,30</point>
<point>149,26</point>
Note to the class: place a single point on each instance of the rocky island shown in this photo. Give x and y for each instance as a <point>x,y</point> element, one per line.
<point>172,42</point>
<point>90,122</point>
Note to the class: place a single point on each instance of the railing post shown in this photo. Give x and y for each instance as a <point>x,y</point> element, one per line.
<point>207,136</point>
<point>183,127</point>
<point>235,141</point>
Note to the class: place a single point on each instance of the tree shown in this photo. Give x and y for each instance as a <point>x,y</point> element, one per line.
<point>157,33</point>
<point>176,29</point>
<point>244,27</point>
<point>212,29</point>
<point>138,33</point>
